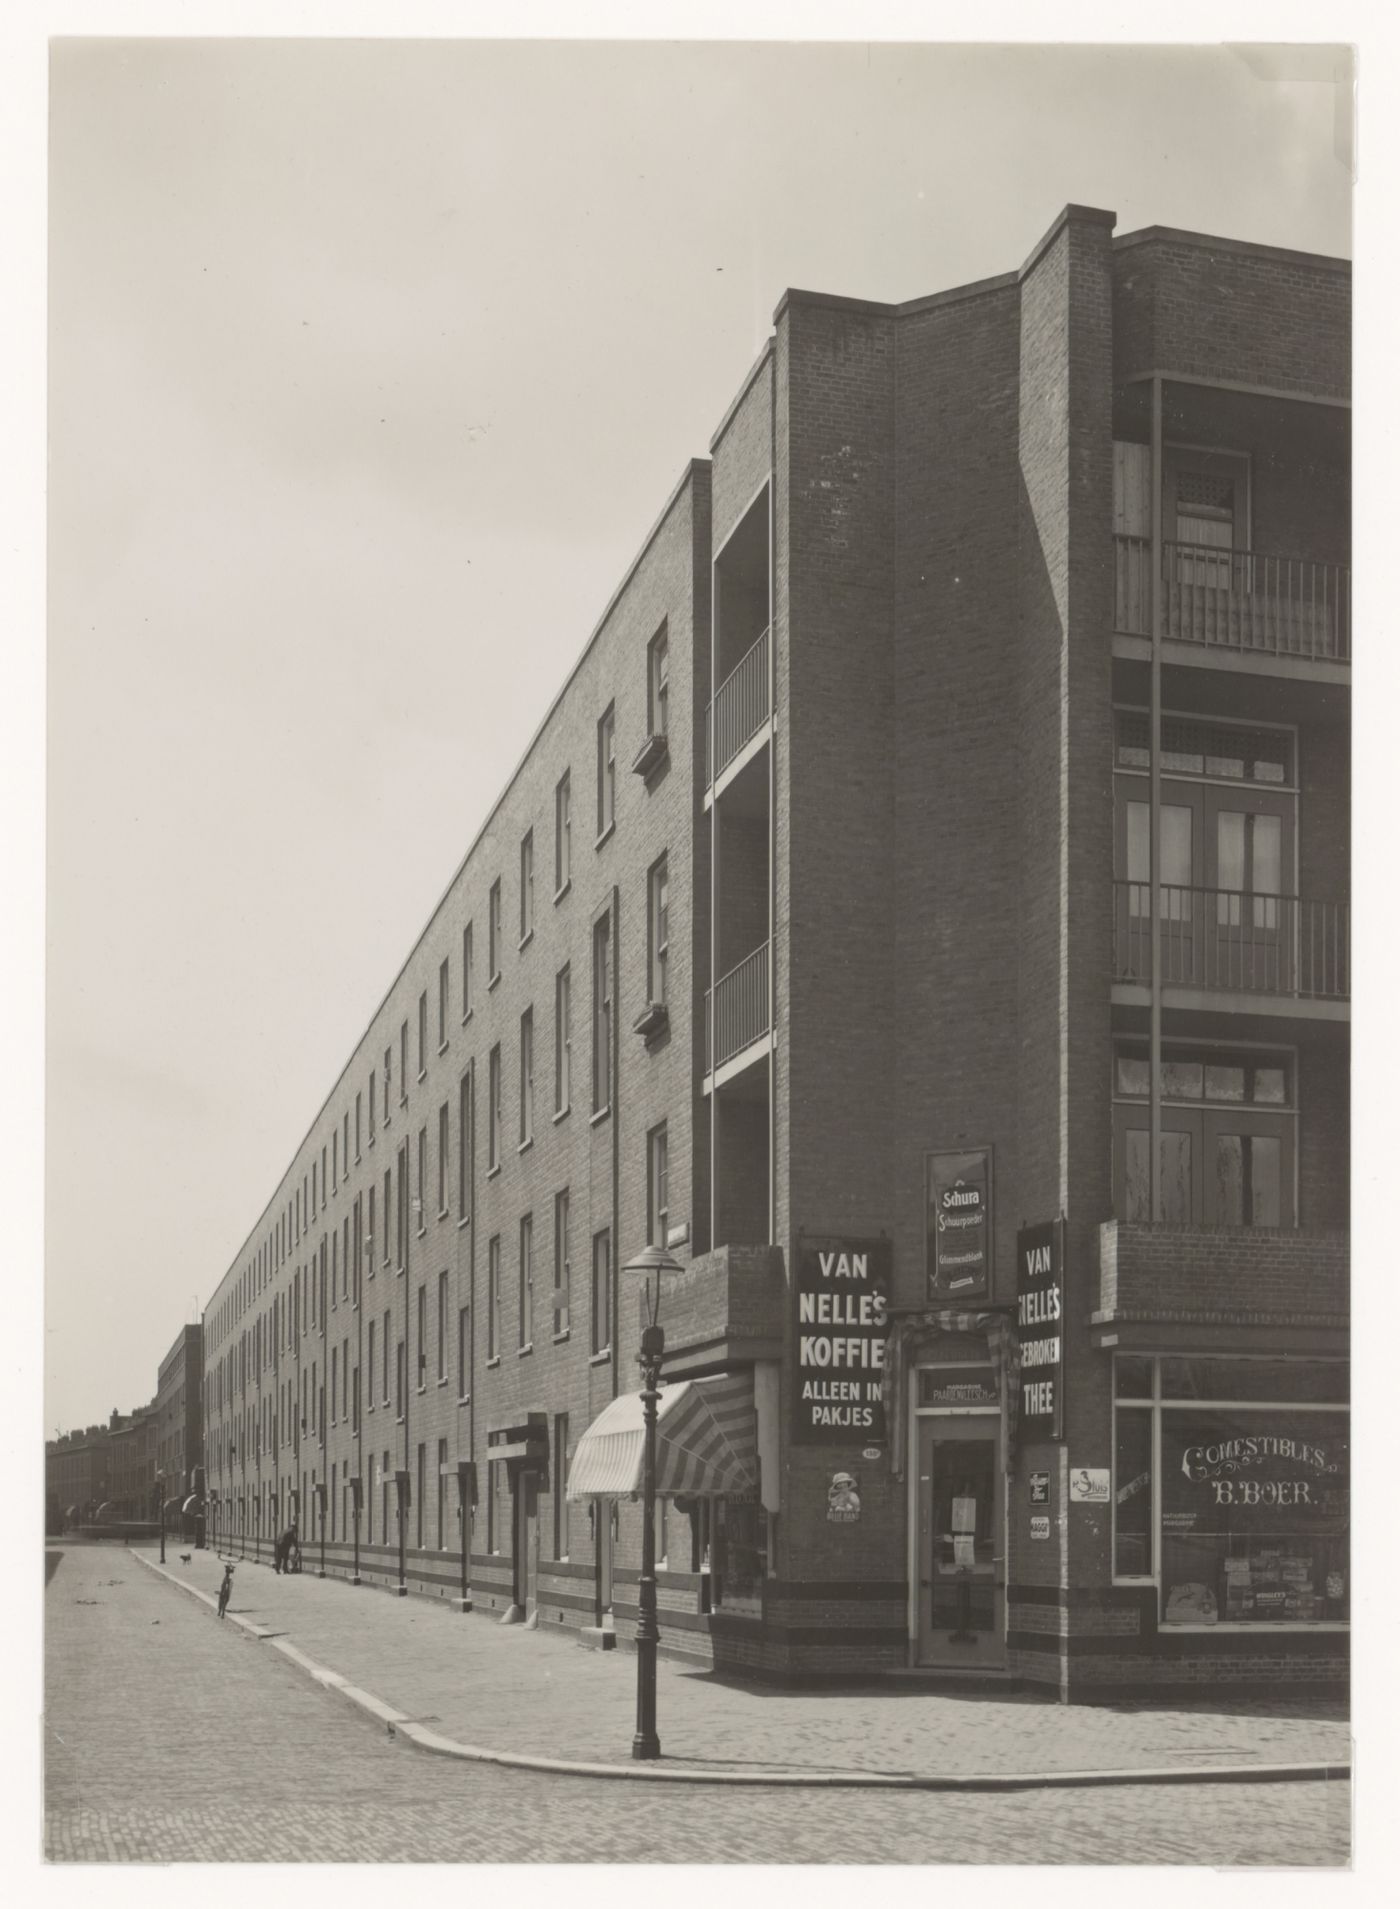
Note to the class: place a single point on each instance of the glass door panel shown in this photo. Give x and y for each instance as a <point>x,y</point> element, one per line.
<point>962,1590</point>
<point>1179,1194</point>
<point>1249,840</point>
<point>1248,1169</point>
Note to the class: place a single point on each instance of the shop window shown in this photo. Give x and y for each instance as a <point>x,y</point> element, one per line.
<point>1243,1515</point>
<point>739,1556</point>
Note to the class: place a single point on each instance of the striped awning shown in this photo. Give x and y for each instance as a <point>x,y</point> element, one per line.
<point>706,1443</point>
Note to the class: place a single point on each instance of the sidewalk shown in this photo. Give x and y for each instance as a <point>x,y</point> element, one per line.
<point>532,1694</point>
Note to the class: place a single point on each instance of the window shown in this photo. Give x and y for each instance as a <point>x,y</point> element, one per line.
<point>464,1347</point>
<point>389,1069</point>
<point>602,1017</point>
<point>658,932</point>
<point>466,971</point>
<point>527,1282</point>
<point>607,772</point>
<point>464,1145</point>
<point>441,1487</point>
<point>493,946</point>
<point>563,1040</point>
<point>527,886</point>
<point>658,684</point>
<point>442,1327</point>
<point>493,1298</point>
<point>403,1053</point>
<point>369,1366</point>
<point>385,1379</point>
<point>561,1263</point>
<point>419,1199</point>
<point>443,985</point>
<point>388,1201</point>
<point>493,1151</point>
<point>658,1215</point>
<point>602,1291</point>
<point>421,1491</point>
<point>372,1099</point>
<point>400,1377</point>
<point>1228,1137</point>
<point>357,1120</point>
<point>1231,1488</point>
<point>369,1237</point>
<point>563,842</point>
<point>561,1482</point>
<point>527,1077</point>
<point>444,1196</point>
<point>335,1160</point>
<point>422,1368</point>
<point>422,1034</point>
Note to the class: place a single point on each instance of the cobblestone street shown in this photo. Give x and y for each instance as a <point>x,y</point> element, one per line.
<point>148,1697</point>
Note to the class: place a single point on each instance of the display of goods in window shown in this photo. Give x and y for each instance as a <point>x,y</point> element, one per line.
<point>1255,1512</point>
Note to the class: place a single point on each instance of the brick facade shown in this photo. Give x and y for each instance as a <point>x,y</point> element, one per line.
<point>916,504</point>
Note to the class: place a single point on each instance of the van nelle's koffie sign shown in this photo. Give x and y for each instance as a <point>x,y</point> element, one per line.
<point>843,1300</point>
<point>959,1224</point>
<point>1040,1274</point>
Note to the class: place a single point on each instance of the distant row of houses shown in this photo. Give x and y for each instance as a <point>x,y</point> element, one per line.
<point>119,1472</point>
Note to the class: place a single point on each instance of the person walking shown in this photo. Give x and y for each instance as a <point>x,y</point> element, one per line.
<point>226,1589</point>
<point>284,1549</point>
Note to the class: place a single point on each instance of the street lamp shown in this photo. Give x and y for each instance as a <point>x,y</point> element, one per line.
<point>160,1495</point>
<point>355,1497</point>
<point>319,1489</point>
<point>654,1262</point>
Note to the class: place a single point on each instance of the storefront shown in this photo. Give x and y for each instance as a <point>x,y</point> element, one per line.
<point>1231,1490</point>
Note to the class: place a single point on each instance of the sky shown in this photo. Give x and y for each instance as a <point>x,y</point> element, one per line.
<point>370,364</point>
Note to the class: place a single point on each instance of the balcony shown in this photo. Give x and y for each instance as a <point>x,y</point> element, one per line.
<point>1237,600</point>
<point>737,1010</point>
<point>1202,1286</point>
<point>1222,941</point>
<point>738,711</point>
<point>726,1308</point>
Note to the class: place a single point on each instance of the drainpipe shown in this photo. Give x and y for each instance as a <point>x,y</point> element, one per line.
<point>1154,770</point>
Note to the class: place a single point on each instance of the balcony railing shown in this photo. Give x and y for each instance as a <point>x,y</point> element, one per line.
<point>1220,938</point>
<point>1236,599</point>
<point>736,1009</point>
<point>739,710</point>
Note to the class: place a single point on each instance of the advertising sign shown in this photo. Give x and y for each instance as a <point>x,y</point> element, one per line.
<point>1040,1526</point>
<point>1040,1273</point>
<point>1040,1488</point>
<point>959,1224</point>
<point>1088,1485</point>
<point>1259,1472</point>
<point>842,1297</point>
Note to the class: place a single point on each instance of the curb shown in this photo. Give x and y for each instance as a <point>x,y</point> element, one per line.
<point>420,1737</point>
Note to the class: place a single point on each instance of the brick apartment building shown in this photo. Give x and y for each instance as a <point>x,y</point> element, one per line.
<point>77,1469</point>
<point>814,938</point>
<point>132,1467</point>
<point>179,1434</point>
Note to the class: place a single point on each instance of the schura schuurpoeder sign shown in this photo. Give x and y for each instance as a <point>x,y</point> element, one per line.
<point>960,1224</point>
<point>843,1296</point>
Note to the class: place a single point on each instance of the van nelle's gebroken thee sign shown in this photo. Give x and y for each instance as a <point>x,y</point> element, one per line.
<point>843,1298</point>
<point>1040,1305</point>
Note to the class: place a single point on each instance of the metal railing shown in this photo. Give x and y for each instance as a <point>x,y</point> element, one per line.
<point>1236,599</point>
<point>737,1009</point>
<point>738,710</point>
<point>1222,938</point>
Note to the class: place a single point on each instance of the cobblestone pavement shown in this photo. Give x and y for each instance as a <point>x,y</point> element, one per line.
<point>503,1687</point>
<point>170,1737</point>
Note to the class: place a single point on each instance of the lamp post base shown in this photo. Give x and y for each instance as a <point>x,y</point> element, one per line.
<point>400,1590</point>
<point>645,1749</point>
<point>462,1604</point>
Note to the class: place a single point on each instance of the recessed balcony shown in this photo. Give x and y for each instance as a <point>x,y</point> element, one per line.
<point>738,712</point>
<point>1202,1285</point>
<point>737,1013</point>
<point>1243,601</point>
<point>726,1308</point>
<point>1221,942</point>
